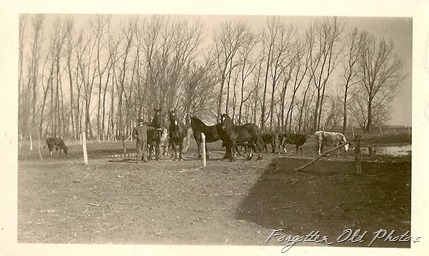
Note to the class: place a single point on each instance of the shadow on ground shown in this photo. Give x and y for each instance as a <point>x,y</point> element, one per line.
<point>329,197</point>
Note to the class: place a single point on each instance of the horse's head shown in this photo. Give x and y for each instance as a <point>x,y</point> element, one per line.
<point>173,116</point>
<point>226,122</point>
<point>156,121</point>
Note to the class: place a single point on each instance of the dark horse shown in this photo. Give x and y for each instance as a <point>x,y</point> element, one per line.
<point>236,134</point>
<point>269,138</point>
<point>154,136</point>
<point>210,132</point>
<point>177,132</point>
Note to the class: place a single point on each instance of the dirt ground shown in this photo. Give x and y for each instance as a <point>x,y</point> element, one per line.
<point>122,201</point>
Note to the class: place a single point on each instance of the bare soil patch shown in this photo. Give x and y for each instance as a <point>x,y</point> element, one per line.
<point>123,201</point>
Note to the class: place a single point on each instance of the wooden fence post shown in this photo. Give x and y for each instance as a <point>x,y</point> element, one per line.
<point>203,137</point>
<point>31,142</point>
<point>85,152</point>
<point>38,148</point>
<point>357,155</point>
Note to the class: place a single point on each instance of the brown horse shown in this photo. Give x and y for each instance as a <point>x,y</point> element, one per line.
<point>177,132</point>
<point>209,131</point>
<point>57,143</point>
<point>236,134</point>
<point>269,138</point>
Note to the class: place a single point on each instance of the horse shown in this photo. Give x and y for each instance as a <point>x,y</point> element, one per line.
<point>154,136</point>
<point>292,138</point>
<point>57,143</point>
<point>240,146</point>
<point>269,138</point>
<point>330,139</point>
<point>209,131</point>
<point>177,131</point>
<point>236,134</point>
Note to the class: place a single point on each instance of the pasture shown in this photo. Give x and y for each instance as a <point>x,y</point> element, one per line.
<point>122,201</point>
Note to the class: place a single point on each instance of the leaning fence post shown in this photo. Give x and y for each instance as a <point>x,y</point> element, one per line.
<point>203,138</point>
<point>357,155</point>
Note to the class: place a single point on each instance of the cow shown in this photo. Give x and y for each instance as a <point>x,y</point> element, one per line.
<point>292,138</point>
<point>330,139</point>
<point>57,143</point>
<point>269,138</point>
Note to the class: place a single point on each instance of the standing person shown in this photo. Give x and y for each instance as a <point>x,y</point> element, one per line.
<point>140,134</point>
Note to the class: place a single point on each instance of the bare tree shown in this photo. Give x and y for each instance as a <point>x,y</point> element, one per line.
<point>23,19</point>
<point>128,34</point>
<point>28,96</point>
<point>349,72</point>
<point>99,29</point>
<point>380,73</point>
<point>281,40</point>
<point>256,95</point>
<point>287,76</point>
<point>247,66</point>
<point>300,72</point>
<point>324,36</point>
<point>199,95</point>
<point>71,74</point>
<point>228,38</point>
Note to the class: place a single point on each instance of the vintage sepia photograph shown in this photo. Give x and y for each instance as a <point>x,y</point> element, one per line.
<point>160,131</point>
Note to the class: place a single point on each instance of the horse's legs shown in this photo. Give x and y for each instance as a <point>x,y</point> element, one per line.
<point>320,148</point>
<point>258,146</point>
<point>252,147</point>
<point>199,149</point>
<point>227,152</point>
<point>180,150</point>
<point>175,151</point>
<point>232,155</point>
<point>157,150</point>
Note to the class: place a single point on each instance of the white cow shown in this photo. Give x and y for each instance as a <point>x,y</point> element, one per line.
<point>330,139</point>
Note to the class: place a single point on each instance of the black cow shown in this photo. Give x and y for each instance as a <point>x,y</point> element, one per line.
<point>57,143</point>
<point>292,138</point>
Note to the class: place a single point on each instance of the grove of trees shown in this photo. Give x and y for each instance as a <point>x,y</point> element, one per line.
<point>99,73</point>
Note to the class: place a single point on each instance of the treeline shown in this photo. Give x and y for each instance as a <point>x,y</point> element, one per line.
<point>99,73</point>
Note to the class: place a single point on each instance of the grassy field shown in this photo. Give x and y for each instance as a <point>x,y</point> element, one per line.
<point>122,201</point>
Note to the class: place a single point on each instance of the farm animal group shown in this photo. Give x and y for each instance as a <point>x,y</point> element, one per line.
<point>247,136</point>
